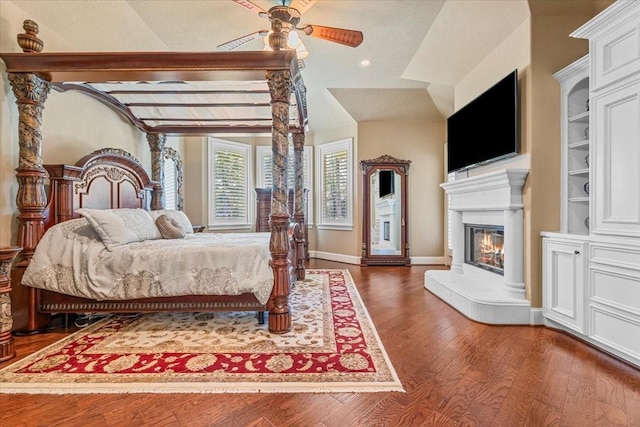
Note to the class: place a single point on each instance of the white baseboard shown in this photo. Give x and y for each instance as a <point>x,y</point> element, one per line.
<point>350,259</point>
<point>536,317</point>
<point>427,260</point>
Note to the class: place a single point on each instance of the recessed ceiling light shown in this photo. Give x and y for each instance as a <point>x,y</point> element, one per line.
<point>365,63</point>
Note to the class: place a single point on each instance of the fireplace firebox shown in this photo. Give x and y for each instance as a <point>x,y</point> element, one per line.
<point>484,247</point>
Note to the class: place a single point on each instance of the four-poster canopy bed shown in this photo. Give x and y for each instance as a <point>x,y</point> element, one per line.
<point>226,92</point>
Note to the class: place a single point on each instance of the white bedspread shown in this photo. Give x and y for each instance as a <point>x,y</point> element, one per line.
<point>71,259</point>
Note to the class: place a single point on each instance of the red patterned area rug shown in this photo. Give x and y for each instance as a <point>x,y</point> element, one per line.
<point>333,347</point>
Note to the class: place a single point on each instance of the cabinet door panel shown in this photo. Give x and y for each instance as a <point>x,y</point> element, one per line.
<point>616,54</point>
<point>617,162</point>
<point>563,287</point>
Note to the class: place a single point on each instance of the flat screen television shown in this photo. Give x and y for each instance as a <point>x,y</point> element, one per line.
<point>487,128</point>
<point>386,179</point>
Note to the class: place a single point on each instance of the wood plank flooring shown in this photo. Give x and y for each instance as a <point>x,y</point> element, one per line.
<point>455,372</point>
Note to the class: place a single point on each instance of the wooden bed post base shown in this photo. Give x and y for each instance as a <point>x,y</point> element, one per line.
<point>280,323</point>
<point>279,311</point>
<point>36,321</point>
<point>7,345</point>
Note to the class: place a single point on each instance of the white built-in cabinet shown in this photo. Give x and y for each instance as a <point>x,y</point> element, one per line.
<point>564,268</point>
<point>591,269</point>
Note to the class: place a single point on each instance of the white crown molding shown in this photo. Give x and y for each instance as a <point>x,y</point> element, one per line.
<point>571,69</point>
<point>616,14</point>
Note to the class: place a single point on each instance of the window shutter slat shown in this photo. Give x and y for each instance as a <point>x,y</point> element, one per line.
<point>335,185</point>
<point>230,182</point>
<point>170,184</point>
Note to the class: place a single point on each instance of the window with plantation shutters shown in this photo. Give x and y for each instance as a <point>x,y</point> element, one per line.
<point>335,170</point>
<point>229,178</point>
<point>264,172</point>
<point>170,184</point>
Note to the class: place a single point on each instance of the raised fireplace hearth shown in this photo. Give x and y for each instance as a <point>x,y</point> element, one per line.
<point>486,280</point>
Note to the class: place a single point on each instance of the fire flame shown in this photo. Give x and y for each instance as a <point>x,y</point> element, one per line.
<point>491,252</point>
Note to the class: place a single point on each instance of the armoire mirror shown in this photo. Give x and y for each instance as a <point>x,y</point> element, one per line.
<point>384,212</point>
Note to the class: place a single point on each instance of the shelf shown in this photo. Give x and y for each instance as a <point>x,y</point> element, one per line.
<point>574,83</point>
<point>581,118</point>
<point>578,144</point>
<point>579,172</point>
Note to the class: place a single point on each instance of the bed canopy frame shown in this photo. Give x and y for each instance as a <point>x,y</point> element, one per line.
<point>224,92</point>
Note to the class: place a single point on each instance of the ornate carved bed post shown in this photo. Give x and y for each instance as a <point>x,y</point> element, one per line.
<point>156,144</point>
<point>298,165</point>
<point>31,92</point>
<point>171,154</point>
<point>279,312</point>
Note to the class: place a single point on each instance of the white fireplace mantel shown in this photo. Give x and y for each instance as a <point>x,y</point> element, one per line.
<point>493,198</point>
<point>497,190</point>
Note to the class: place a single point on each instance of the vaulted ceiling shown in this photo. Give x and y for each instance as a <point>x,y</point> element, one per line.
<point>419,49</point>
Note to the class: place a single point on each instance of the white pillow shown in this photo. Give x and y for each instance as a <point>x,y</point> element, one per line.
<point>121,226</point>
<point>179,216</point>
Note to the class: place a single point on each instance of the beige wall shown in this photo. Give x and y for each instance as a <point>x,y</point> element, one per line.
<point>344,242</point>
<point>422,143</point>
<point>73,125</point>
<point>195,179</point>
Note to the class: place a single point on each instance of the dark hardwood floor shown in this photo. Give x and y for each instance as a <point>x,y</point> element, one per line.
<point>455,372</point>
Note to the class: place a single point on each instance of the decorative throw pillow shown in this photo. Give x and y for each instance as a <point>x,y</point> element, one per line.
<point>121,226</point>
<point>169,227</point>
<point>179,216</point>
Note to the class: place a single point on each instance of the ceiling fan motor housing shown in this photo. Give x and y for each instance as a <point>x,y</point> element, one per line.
<point>286,14</point>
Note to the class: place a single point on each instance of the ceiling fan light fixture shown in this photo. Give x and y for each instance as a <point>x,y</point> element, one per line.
<point>301,51</point>
<point>294,40</point>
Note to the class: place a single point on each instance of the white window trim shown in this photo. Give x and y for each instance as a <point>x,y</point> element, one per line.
<point>216,224</point>
<point>321,150</point>
<point>263,151</point>
<point>169,186</point>
<point>450,177</point>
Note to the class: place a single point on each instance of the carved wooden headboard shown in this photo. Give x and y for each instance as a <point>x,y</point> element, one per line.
<point>105,179</point>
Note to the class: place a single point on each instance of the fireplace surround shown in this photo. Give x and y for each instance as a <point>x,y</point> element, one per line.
<point>492,200</point>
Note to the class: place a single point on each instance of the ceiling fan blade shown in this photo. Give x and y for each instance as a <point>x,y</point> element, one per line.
<point>302,5</point>
<point>338,35</point>
<point>252,7</point>
<point>230,45</point>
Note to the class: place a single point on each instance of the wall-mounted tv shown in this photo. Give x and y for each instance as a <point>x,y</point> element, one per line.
<point>386,183</point>
<point>487,128</point>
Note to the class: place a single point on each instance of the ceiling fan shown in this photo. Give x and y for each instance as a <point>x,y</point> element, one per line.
<point>285,18</point>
